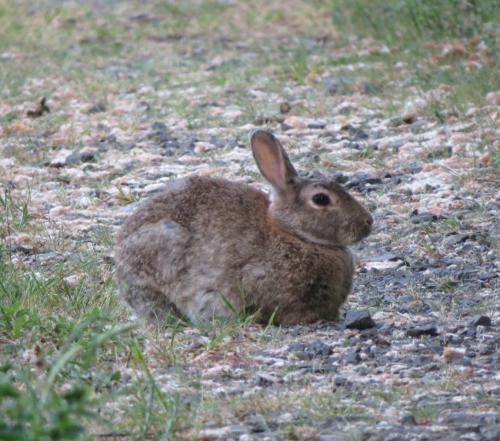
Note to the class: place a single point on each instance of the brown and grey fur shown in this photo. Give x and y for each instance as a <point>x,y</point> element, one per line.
<point>204,241</point>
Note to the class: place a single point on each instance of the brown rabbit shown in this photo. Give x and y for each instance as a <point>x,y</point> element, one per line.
<point>208,247</point>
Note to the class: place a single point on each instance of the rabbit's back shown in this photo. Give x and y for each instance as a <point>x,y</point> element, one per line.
<point>195,199</point>
<point>187,247</point>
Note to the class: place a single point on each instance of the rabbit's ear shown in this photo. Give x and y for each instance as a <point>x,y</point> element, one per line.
<point>272,160</point>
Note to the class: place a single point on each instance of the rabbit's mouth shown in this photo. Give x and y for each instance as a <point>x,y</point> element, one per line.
<point>356,232</point>
<point>362,232</point>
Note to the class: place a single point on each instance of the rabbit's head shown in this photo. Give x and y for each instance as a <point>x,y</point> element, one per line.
<point>317,210</point>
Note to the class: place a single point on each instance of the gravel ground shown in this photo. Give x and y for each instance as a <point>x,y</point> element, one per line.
<point>417,356</point>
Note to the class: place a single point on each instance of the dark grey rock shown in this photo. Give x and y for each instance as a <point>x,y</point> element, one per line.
<point>257,424</point>
<point>339,380</point>
<point>312,174</point>
<point>455,239</point>
<point>70,159</point>
<point>87,156</point>
<point>490,432</point>
<point>163,138</point>
<point>352,358</point>
<point>316,125</point>
<point>97,108</point>
<point>486,349</point>
<point>308,351</point>
<point>487,275</point>
<point>359,319</point>
<point>158,126</point>
<point>408,420</point>
<point>238,429</point>
<point>415,166</point>
<point>418,218</point>
<point>366,178</point>
<point>217,141</point>
<point>363,182</point>
<point>323,368</point>
<point>339,177</point>
<point>355,133</point>
<point>265,379</point>
<point>421,330</point>
<point>480,320</point>
<point>473,418</point>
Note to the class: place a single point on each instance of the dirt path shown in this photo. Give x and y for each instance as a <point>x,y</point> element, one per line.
<point>141,94</point>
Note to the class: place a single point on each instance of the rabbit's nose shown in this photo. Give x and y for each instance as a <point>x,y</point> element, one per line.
<point>369,221</point>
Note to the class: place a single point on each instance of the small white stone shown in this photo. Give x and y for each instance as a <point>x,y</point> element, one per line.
<point>58,211</point>
<point>387,264</point>
<point>203,147</point>
<point>7,162</point>
<point>73,279</point>
<point>154,187</point>
<point>62,158</point>
<point>296,122</point>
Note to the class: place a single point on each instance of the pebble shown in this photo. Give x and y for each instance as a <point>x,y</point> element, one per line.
<point>355,133</point>
<point>308,351</point>
<point>58,211</point>
<point>98,107</point>
<point>383,265</point>
<point>63,158</point>
<point>87,154</point>
<point>363,181</point>
<point>352,358</point>
<point>490,432</point>
<point>359,320</point>
<point>480,320</point>
<point>455,239</point>
<point>316,124</point>
<point>222,433</point>
<point>421,330</point>
<point>296,122</point>
<point>73,280</point>
<point>408,420</point>
<point>340,381</point>
<point>493,98</point>
<point>232,113</point>
<point>203,147</point>
<point>418,218</point>
<point>265,379</point>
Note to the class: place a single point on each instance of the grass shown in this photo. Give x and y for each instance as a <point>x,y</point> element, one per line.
<point>406,22</point>
<point>53,398</point>
<point>71,366</point>
<point>14,214</point>
<point>425,414</point>
<point>126,197</point>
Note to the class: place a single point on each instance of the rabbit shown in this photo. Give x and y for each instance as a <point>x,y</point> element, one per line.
<point>206,247</point>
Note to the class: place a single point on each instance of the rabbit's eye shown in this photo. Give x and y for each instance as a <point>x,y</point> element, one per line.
<point>321,199</point>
